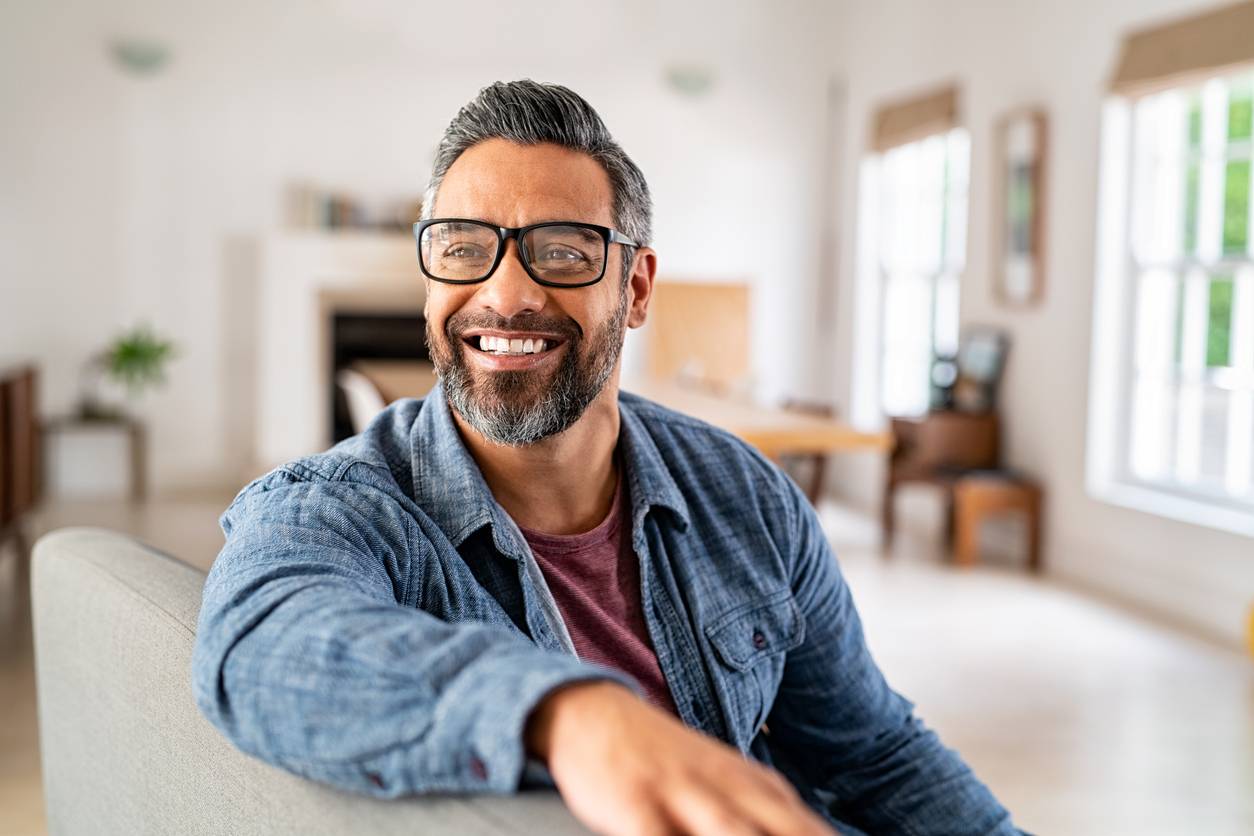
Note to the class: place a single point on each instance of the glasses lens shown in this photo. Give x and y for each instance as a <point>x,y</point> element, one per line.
<point>566,254</point>
<point>458,251</point>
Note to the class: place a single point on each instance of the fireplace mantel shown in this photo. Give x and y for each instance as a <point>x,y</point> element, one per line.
<point>303,278</point>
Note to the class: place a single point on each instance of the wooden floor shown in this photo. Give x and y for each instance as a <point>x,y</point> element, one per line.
<point>1082,717</point>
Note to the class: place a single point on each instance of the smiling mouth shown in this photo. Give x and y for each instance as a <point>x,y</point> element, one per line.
<point>511,346</point>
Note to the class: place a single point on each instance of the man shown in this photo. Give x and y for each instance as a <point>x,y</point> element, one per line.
<point>529,572</point>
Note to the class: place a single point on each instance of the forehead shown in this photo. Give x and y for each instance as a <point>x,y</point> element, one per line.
<point>513,185</point>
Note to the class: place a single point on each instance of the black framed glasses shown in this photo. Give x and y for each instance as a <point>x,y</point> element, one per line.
<point>554,253</point>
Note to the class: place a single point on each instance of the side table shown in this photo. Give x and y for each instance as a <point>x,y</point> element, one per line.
<point>137,440</point>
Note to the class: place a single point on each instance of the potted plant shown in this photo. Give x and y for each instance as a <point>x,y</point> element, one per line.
<point>134,362</point>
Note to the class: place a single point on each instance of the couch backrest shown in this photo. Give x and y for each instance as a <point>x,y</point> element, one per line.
<point>126,752</point>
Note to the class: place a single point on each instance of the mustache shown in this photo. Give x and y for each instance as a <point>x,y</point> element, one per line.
<point>459,323</point>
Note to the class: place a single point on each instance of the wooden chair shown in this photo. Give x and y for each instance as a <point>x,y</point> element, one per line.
<point>938,449</point>
<point>979,496</point>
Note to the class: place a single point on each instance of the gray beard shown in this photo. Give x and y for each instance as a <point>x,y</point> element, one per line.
<point>507,408</point>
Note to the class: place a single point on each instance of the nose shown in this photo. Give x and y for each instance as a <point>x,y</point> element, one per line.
<point>510,291</point>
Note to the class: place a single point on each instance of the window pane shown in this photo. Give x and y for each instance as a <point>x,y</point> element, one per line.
<point>1202,438</point>
<point>1194,322</point>
<point>1178,328</point>
<point>1192,183</point>
<point>1214,462</point>
<point>1190,406</point>
<point>957,161</point>
<point>1240,436</point>
<point>1220,324</point>
<point>945,324</point>
<point>1239,102</point>
<point>1158,193</point>
<point>1236,206</point>
<point>928,193</point>
<point>1153,414</point>
<point>1195,121</point>
<point>1211,191</point>
<point>1158,300</point>
<point>907,344</point>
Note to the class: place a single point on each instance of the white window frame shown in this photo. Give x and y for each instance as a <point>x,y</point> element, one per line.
<point>880,242</point>
<point>1143,275</point>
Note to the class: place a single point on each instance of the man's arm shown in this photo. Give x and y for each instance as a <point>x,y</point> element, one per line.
<point>308,657</point>
<point>838,721</point>
<point>626,767</point>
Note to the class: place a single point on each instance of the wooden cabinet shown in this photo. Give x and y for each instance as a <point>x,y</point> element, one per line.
<point>19,449</point>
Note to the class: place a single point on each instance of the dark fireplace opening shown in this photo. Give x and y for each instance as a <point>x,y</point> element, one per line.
<point>370,336</point>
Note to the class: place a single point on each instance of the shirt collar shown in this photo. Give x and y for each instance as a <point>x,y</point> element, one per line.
<point>649,480</point>
<point>450,488</point>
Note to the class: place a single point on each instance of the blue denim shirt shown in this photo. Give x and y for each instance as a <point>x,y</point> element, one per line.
<point>376,621</point>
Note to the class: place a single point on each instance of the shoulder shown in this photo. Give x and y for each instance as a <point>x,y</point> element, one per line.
<point>710,464</point>
<point>378,459</point>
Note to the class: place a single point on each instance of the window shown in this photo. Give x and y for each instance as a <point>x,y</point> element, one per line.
<point>1173,389</point>
<point>912,250</point>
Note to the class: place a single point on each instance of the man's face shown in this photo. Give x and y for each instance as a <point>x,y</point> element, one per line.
<point>520,399</point>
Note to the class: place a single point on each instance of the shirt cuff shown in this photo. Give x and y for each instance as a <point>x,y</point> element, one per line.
<point>496,759</point>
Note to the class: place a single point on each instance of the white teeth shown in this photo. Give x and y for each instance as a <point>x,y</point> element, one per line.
<point>500,345</point>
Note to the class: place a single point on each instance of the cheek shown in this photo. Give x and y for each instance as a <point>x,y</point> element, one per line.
<point>440,305</point>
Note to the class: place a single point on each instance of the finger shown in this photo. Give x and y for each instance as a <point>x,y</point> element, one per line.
<point>652,822</point>
<point>766,800</point>
<point>701,811</point>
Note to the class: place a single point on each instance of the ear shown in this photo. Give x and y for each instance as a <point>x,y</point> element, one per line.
<point>643,272</point>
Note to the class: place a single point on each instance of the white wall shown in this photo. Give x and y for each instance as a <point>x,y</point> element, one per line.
<point>61,149</point>
<point>132,199</point>
<point>1058,55</point>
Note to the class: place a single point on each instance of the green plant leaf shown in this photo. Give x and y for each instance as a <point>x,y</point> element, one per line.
<point>137,359</point>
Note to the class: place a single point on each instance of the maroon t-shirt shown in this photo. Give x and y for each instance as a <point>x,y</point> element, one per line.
<point>595,580</point>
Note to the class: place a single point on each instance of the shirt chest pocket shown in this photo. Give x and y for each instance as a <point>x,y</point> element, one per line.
<point>751,643</point>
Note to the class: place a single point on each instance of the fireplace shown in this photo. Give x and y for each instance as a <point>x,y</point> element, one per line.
<point>362,336</point>
<point>324,300</point>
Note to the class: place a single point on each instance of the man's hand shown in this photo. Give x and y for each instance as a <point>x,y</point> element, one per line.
<point>624,767</point>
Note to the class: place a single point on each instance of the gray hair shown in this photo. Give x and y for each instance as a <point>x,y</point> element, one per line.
<point>529,113</point>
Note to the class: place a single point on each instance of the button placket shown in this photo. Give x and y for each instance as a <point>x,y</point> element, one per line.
<point>678,656</point>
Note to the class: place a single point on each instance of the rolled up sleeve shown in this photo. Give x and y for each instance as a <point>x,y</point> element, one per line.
<point>307,657</point>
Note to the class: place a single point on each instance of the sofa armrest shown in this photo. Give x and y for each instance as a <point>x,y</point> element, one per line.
<point>126,752</point>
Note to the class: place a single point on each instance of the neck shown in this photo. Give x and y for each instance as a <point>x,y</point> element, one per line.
<point>562,485</point>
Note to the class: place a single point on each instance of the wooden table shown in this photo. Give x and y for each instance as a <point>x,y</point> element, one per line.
<point>776,432</point>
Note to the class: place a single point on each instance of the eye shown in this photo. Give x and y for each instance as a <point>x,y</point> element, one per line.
<point>463,249</point>
<point>561,254</point>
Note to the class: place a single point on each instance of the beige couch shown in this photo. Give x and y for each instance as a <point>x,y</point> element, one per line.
<point>125,750</point>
